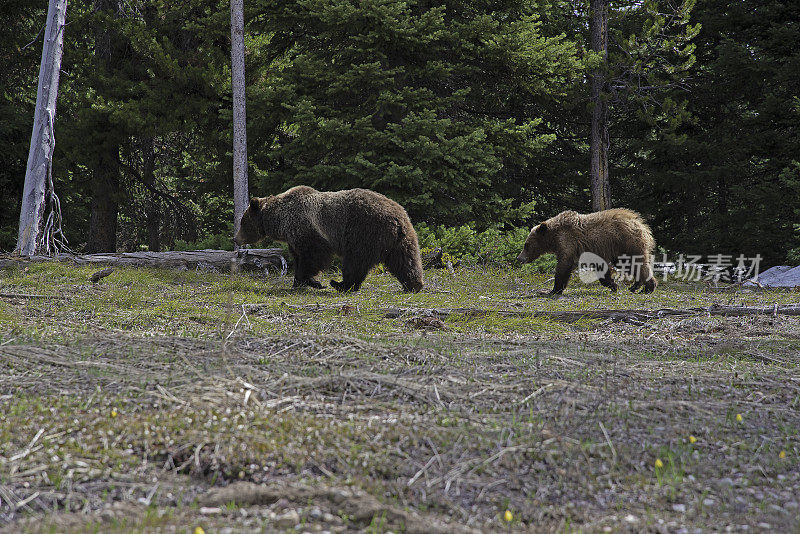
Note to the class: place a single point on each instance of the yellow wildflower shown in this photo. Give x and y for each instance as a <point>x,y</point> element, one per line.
<point>739,418</point>
<point>114,412</point>
<point>199,530</point>
<point>782,455</point>
<point>508,516</point>
<point>692,439</point>
<point>659,463</point>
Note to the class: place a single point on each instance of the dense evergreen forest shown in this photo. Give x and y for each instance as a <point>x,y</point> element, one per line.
<point>465,112</point>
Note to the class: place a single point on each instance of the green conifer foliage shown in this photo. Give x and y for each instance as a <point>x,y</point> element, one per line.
<point>432,105</point>
<point>726,178</point>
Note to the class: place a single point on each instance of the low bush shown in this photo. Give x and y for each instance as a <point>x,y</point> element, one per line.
<point>216,242</point>
<point>494,246</point>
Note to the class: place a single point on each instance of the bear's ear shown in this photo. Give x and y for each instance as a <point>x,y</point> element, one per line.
<point>255,204</point>
<point>542,228</point>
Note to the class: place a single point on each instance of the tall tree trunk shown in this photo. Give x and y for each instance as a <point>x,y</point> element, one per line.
<point>40,156</point>
<point>153,203</point>
<point>722,211</point>
<point>240,200</point>
<point>105,179</point>
<point>600,185</point>
<point>105,204</point>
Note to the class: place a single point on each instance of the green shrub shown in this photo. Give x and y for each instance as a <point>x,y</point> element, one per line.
<point>793,256</point>
<point>8,238</point>
<point>489,247</point>
<point>215,242</point>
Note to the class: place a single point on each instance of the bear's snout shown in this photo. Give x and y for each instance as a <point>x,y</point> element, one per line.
<point>522,258</point>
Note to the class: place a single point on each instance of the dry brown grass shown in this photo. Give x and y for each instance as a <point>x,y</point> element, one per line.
<point>116,415</point>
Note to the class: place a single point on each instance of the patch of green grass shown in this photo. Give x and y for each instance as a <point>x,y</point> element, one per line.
<point>195,303</point>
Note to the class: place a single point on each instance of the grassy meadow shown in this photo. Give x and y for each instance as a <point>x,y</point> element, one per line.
<point>160,400</point>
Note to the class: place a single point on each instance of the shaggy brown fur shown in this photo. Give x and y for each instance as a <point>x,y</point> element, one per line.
<point>609,234</point>
<point>362,227</point>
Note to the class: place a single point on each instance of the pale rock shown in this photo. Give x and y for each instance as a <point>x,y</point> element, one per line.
<point>287,519</point>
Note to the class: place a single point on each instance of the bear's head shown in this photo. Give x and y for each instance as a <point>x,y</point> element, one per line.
<point>539,242</point>
<point>251,228</point>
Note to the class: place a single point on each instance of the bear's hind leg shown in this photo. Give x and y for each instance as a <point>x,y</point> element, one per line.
<point>646,279</point>
<point>608,281</point>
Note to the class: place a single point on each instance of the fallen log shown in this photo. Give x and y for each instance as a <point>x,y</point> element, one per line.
<point>259,259</point>
<point>634,316</point>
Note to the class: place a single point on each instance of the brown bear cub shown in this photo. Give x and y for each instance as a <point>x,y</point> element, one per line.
<point>609,234</point>
<point>362,227</point>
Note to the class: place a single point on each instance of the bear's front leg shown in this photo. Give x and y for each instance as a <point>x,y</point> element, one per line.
<point>338,286</point>
<point>647,279</point>
<point>345,286</point>
<point>310,282</point>
<point>306,266</point>
<point>301,277</point>
<point>353,274</point>
<point>563,272</point>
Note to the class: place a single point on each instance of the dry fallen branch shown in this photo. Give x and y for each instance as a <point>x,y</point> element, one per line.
<point>362,507</point>
<point>102,273</point>
<point>636,316</point>
<point>30,296</point>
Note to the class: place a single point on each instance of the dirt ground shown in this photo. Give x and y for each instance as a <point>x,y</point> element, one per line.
<point>160,401</point>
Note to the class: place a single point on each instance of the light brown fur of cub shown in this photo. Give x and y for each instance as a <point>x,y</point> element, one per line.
<point>609,234</point>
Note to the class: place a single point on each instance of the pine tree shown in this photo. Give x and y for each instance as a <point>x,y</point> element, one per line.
<point>147,135</point>
<point>725,178</point>
<point>433,105</point>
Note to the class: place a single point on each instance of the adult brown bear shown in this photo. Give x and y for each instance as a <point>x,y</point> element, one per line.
<point>362,227</point>
<point>610,234</point>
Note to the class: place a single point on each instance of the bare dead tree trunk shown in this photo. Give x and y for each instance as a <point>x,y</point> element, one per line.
<point>240,199</point>
<point>600,185</point>
<point>38,175</point>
